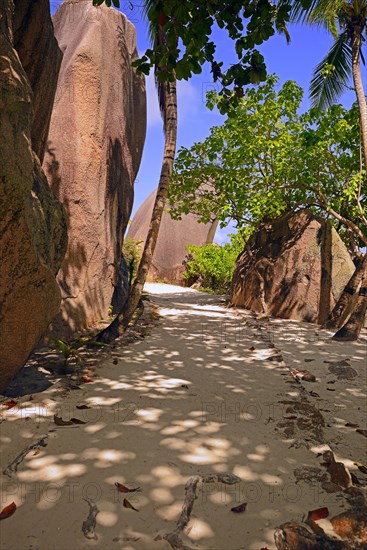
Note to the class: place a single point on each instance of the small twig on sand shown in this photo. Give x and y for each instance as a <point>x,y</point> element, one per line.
<point>174,538</point>
<point>89,524</point>
<point>13,466</point>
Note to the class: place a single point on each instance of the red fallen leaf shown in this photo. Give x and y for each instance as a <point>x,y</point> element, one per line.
<point>8,511</point>
<point>320,513</point>
<point>240,508</point>
<point>85,379</point>
<point>122,489</point>
<point>10,404</point>
<point>128,504</point>
<point>252,348</point>
<point>292,417</point>
<point>115,361</point>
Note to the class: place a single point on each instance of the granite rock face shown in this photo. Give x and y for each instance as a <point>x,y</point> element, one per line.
<point>95,145</point>
<point>298,264</point>
<point>32,221</point>
<point>40,57</point>
<point>174,235</point>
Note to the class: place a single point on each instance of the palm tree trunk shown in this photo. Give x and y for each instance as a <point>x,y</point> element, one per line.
<point>351,330</point>
<point>122,320</point>
<point>338,314</point>
<point>358,84</point>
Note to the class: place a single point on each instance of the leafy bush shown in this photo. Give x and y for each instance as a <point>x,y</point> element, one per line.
<point>212,265</point>
<point>132,254</point>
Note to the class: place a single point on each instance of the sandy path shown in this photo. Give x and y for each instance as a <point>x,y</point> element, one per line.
<point>191,398</point>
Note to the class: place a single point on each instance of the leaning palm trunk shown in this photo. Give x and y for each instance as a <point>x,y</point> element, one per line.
<point>358,85</point>
<point>352,329</point>
<point>122,320</point>
<point>339,312</point>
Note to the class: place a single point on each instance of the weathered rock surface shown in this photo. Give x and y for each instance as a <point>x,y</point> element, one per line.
<point>32,221</point>
<point>174,235</point>
<point>40,57</point>
<point>95,145</point>
<point>300,262</point>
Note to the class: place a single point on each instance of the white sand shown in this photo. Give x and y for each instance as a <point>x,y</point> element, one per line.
<point>191,398</point>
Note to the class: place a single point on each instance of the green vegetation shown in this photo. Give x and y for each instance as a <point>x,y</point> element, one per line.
<point>132,255</point>
<point>267,159</point>
<point>212,265</point>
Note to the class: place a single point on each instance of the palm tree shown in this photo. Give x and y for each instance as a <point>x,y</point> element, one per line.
<point>347,21</point>
<point>168,106</point>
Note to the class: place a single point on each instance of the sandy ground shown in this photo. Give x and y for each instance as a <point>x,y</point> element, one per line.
<point>208,392</point>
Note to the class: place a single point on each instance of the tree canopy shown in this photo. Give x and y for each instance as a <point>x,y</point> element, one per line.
<point>267,159</point>
<point>188,44</point>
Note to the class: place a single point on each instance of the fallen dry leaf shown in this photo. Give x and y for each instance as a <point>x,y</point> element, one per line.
<point>60,422</point>
<point>115,361</point>
<point>122,489</point>
<point>352,425</point>
<point>85,380</point>
<point>77,421</point>
<point>320,513</point>
<point>361,467</point>
<point>10,404</point>
<point>8,511</point>
<point>240,508</point>
<point>128,504</point>
<point>81,407</point>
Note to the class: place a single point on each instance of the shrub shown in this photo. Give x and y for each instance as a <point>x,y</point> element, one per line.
<point>132,254</point>
<point>212,265</point>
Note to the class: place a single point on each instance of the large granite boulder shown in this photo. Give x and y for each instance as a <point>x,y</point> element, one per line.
<point>40,57</point>
<point>32,221</point>
<point>296,266</point>
<point>174,235</point>
<point>96,140</point>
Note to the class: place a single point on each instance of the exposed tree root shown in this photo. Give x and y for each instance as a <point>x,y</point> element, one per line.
<point>12,468</point>
<point>89,525</point>
<point>174,538</point>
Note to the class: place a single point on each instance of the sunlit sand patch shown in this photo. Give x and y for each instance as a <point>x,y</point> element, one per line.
<point>149,414</point>
<point>170,512</point>
<point>161,495</point>
<point>199,529</point>
<point>52,472</point>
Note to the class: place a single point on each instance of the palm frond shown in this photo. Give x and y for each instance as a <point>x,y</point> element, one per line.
<point>322,13</point>
<point>327,86</point>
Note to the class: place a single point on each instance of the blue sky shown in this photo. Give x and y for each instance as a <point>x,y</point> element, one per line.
<point>295,61</point>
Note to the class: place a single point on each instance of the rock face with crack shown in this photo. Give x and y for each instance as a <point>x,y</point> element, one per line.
<point>95,145</point>
<point>298,265</point>
<point>32,221</point>
<point>174,235</point>
<point>41,58</point>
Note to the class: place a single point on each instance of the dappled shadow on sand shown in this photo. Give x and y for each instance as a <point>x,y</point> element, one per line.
<point>202,395</point>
